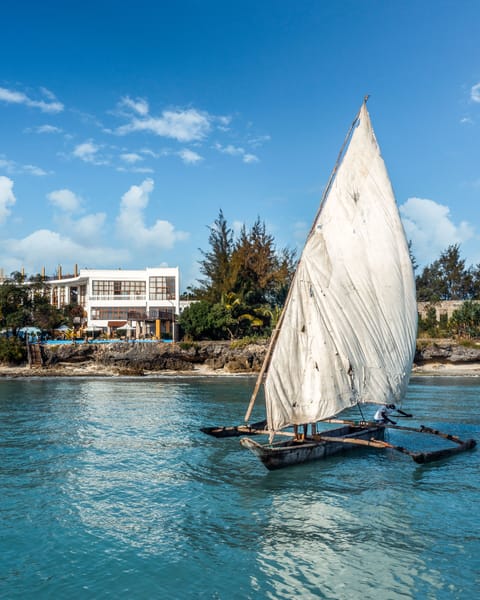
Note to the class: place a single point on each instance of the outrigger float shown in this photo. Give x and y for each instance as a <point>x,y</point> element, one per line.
<point>337,441</point>
<point>300,448</point>
<point>347,333</point>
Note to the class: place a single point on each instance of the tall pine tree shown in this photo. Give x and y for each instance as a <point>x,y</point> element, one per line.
<point>215,265</point>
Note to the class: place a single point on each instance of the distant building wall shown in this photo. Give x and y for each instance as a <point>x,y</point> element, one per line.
<point>445,307</point>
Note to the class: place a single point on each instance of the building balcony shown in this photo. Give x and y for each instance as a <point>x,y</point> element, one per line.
<point>119,298</point>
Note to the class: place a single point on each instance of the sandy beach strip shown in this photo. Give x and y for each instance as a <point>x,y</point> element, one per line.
<point>431,369</point>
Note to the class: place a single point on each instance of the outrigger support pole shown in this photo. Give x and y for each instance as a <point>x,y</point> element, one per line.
<point>418,457</point>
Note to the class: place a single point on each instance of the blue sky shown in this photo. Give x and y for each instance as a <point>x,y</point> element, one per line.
<point>126,126</point>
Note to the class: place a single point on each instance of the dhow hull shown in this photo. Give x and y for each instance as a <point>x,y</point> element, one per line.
<point>293,452</point>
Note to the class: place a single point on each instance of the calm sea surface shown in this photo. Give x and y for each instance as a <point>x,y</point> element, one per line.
<point>109,490</point>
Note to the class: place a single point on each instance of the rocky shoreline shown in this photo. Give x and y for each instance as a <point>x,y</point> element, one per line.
<point>148,358</point>
<point>433,358</point>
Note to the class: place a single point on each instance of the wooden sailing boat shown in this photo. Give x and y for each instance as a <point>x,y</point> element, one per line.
<point>347,333</point>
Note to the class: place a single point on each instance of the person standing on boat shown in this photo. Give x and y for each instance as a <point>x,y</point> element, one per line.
<point>383,414</point>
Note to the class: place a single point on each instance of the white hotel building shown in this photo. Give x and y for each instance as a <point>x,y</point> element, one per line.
<point>147,301</point>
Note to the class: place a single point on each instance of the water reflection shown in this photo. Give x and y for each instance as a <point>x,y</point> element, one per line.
<point>110,488</point>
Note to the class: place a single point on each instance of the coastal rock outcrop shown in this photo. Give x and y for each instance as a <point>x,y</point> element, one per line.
<point>433,357</point>
<point>446,352</point>
<point>138,357</point>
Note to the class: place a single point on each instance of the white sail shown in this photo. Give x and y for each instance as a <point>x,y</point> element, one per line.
<point>349,326</point>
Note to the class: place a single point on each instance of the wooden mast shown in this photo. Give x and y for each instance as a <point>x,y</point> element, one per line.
<point>266,362</point>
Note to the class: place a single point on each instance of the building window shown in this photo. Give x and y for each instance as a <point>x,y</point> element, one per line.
<point>162,288</point>
<point>165,313</point>
<point>118,288</point>
<point>82,295</point>
<point>111,313</point>
<point>102,288</point>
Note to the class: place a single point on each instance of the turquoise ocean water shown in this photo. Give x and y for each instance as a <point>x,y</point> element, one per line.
<point>109,490</point>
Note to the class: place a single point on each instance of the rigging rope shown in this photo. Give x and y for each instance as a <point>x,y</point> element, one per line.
<point>360,409</point>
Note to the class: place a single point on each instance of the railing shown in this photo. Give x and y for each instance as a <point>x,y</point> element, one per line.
<point>138,297</point>
<point>139,316</point>
<point>111,298</point>
<point>169,297</point>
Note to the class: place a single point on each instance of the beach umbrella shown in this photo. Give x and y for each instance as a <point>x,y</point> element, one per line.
<point>127,327</point>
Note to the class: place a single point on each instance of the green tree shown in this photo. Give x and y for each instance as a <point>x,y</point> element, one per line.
<point>244,320</point>
<point>215,265</point>
<point>15,303</point>
<point>194,320</point>
<point>261,276</point>
<point>446,278</point>
<point>456,279</point>
<point>430,285</point>
<point>24,303</point>
<point>412,257</point>
<point>429,324</point>
<point>474,273</point>
<point>12,351</point>
<point>245,283</point>
<point>43,314</point>
<point>205,321</point>
<point>465,321</point>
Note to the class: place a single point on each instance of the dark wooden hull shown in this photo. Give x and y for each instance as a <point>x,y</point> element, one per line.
<point>291,452</point>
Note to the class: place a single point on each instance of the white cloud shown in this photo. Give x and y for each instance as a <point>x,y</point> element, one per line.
<point>88,152</point>
<point>430,227</point>
<point>237,227</point>
<point>230,149</point>
<point>85,151</point>
<point>237,151</point>
<point>131,157</point>
<point>224,121</point>
<point>259,140</point>
<point>181,125</point>
<point>88,229</point>
<point>139,105</point>
<point>7,197</point>
<point>65,199</point>
<point>47,129</point>
<point>475,93</point>
<point>48,93</point>
<point>131,221</point>
<point>45,247</point>
<point>33,170</point>
<point>189,157</point>
<point>10,166</point>
<point>145,170</point>
<point>14,97</point>
<point>149,152</point>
